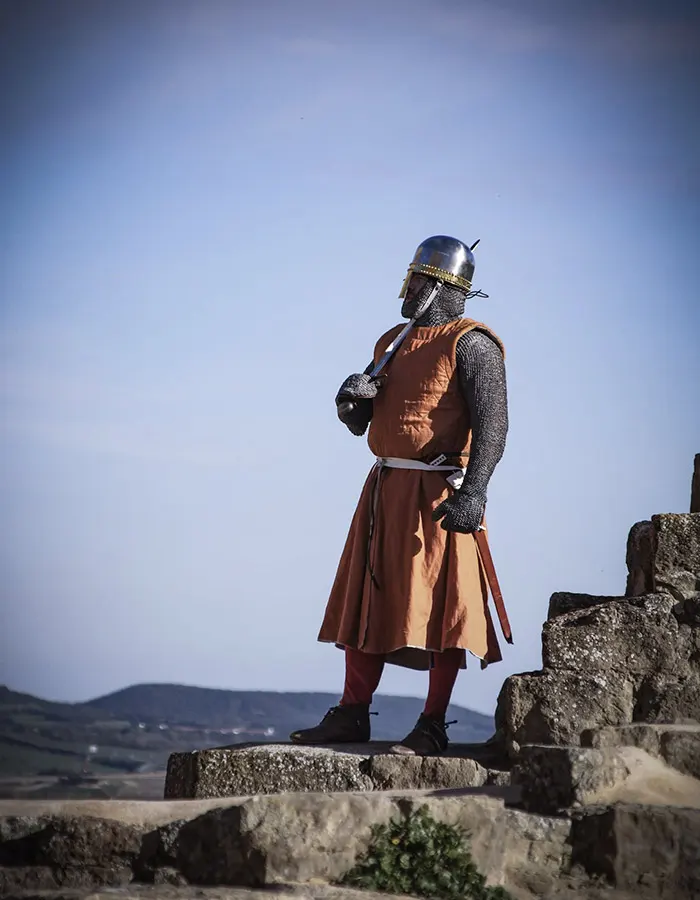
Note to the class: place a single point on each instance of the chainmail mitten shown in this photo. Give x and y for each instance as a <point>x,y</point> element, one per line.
<point>361,391</point>
<point>482,378</point>
<point>357,387</point>
<point>358,417</point>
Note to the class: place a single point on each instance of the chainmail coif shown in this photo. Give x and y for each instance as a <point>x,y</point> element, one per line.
<point>482,378</point>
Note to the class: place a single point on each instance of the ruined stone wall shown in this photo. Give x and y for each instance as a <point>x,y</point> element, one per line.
<point>613,661</point>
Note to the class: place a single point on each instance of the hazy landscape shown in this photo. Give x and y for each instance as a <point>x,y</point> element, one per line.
<point>117,746</point>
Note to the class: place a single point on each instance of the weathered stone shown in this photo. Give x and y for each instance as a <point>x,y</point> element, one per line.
<point>280,892</point>
<point>640,551</point>
<point>695,487</point>
<point>563,602</point>
<point>296,837</point>
<point>632,637</point>
<point>677,554</point>
<point>681,749</point>
<point>15,879</point>
<point>166,891</point>
<point>71,851</point>
<point>642,735</point>
<point>677,745</point>
<point>612,662</point>
<point>553,707</point>
<point>652,849</point>
<point>159,859</point>
<point>303,837</point>
<point>392,772</point>
<point>498,777</point>
<point>553,779</point>
<point>662,698</point>
<point>275,768</point>
<point>663,555</point>
<point>263,769</point>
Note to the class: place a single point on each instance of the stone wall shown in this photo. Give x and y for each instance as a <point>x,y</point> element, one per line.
<point>614,661</point>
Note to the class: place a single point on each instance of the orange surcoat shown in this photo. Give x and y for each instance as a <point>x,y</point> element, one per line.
<point>410,587</point>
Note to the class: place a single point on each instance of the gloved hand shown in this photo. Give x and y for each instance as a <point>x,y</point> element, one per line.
<point>463,511</point>
<point>358,387</point>
<point>356,417</point>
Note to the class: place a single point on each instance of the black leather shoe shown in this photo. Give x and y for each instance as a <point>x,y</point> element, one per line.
<point>428,738</point>
<point>340,725</point>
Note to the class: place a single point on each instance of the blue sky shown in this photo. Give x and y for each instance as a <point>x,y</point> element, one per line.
<point>207,211</point>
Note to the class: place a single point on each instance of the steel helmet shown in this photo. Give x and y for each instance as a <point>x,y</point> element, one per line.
<point>444,258</point>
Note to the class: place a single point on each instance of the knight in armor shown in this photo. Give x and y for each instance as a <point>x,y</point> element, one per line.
<point>411,588</point>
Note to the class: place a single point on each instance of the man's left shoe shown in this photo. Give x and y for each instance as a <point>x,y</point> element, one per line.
<point>428,738</point>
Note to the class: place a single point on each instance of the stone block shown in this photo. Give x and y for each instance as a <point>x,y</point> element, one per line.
<point>264,769</point>
<point>630,636</point>
<point>663,555</point>
<point>391,772</point>
<point>277,768</point>
<point>642,735</point>
<point>563,602</point>
<point>71,851</point>
<point>662,698</point>
<point>652,850</point>
<point>680,748</point>
<point>555,779</point>
<point>677,745</point>
<point>676,562</point>
<point>269,839</point>
<point>276,839</point>
<point>695,487</point>
<point>554,707</point>
<point>640,551</point>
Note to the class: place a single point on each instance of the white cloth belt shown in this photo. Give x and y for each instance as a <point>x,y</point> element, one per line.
<point>394,462</point>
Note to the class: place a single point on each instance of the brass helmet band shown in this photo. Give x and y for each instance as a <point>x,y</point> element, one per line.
<point>444,258</point>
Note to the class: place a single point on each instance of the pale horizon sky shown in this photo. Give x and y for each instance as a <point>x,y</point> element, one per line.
<point>206,214</point>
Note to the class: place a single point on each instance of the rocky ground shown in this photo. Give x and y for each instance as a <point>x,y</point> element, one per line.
<point>575,822</point>
<point>572,890</point>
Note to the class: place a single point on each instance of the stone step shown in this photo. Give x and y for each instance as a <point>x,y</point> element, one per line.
<point>115,848</point>
<point>677,745</point>
<point>555,779</point>
<point>262,840</point>
<point>651,850</point>
<point>274,768</point>
<point>283,892</point>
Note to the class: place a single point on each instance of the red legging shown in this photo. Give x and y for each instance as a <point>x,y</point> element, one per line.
<point>363,672</point>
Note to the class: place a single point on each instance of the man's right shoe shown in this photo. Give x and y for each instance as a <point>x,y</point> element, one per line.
<point>340,725</point>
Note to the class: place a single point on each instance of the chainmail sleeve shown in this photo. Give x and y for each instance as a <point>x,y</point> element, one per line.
<point>482,378</point>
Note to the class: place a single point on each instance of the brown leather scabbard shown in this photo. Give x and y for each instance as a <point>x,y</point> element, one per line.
<point>482,545</point>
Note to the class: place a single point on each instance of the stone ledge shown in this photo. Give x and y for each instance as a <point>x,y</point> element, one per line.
<point>562,602</point>
<point>652,850</point>
<point>677,745</point>
<point>571,888</point>
<point>267,839</point>
<point>276,768</point>
<point>305,839</point>
<point>183,892</point>
<point>556,779</point>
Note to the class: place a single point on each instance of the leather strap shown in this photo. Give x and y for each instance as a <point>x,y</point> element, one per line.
<point>482,545</point>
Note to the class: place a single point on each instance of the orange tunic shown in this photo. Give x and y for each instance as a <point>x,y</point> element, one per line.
<point>429,591</point>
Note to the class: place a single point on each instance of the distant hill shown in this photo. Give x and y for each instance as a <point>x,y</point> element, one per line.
<point>16,702</point>
<point>137,728</point>
<point>283,711</point>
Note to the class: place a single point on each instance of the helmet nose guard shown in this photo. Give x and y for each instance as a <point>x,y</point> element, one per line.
<point>444,258</point>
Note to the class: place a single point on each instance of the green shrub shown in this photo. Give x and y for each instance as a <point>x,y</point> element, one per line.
<point>419,856</point>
